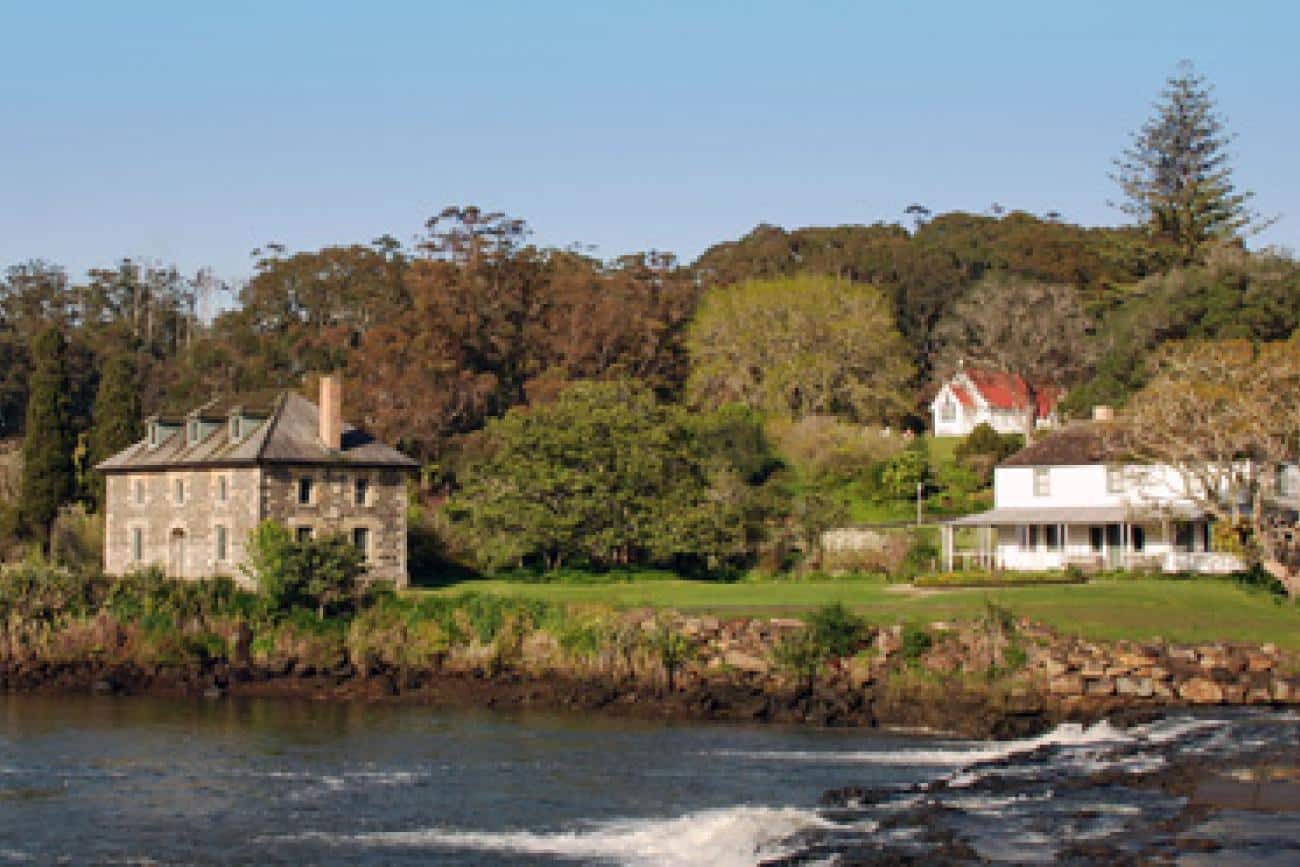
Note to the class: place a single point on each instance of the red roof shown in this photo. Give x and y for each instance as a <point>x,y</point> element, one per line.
<point>1007,391</point>
<point>961,395</point>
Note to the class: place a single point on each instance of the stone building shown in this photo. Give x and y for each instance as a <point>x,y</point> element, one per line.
<point>188,495</point>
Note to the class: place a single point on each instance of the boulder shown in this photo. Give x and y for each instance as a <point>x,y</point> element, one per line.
<point>1200,690</point>
<point>1066,684</point>
<point>1259,662</point>
<point>1135,687</point>
<point>1100,686</point>
<point>742,661</point>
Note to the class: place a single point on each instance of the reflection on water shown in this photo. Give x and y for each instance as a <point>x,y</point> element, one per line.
<point>260,781</point>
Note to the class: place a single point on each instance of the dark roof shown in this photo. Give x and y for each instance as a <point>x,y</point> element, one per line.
<point>285,430</point>
<point>1073,445</point>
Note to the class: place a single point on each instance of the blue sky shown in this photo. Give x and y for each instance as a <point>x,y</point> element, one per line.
<point>192,133</point>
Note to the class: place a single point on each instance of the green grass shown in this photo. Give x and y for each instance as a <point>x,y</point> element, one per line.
<point>1197,610</point>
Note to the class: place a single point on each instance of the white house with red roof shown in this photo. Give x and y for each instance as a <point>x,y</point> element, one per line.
<point>975,395</point>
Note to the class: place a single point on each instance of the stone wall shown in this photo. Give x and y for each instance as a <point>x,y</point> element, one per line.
<point>332,508</point>
<point>180,534</point>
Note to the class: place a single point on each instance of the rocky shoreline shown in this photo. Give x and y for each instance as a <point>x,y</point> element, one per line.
<point>992,678</point>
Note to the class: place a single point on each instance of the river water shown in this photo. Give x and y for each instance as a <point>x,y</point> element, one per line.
<point>138,780</point>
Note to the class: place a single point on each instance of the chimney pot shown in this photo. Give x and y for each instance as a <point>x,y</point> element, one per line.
<point>331,411</point>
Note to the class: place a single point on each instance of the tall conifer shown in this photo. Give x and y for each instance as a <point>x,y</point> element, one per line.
<point>1176,177</point>
<point>116,418</point>
<point>49,479</point>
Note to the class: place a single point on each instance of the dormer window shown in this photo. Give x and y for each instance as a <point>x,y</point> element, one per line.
<point>153,435</point>
<point>192,432</point>
<point>236,432</point>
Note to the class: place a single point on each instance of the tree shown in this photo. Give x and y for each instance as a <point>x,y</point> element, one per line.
<point>48,473</point>
<point>607,476</point>
<point>1031,330</point>
<point>1175,174</point>
<point>800,346</point>
<point>315,573</point>
<point>1222,415</point>
<point>117,417</point>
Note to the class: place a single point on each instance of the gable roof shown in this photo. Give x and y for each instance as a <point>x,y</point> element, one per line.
<point>1007,391</point>
<point>287,434</point>
<point>1075,444</point>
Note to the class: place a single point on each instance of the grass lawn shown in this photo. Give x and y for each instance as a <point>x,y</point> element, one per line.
<point>1135,608</point>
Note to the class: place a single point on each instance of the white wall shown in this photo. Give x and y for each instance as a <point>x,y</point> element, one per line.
<point>1084,485</point>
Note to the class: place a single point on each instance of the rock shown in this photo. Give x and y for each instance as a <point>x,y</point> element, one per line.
<point>1066,684</point>
<point>742,661</point>
<point>1163,690</point>
<point>1182,654</point>
<point>103,686</point>
<point>1259,662</point>
<point>1200,690</point>
<point>1258,695</point>
<point>1055,667</point>
<point>1234,693</point>
<point>1100,686</point>
<point>1092,669</point>
<point>1135,687</point>
<point>1282,690</point>
<point>1118,670</point>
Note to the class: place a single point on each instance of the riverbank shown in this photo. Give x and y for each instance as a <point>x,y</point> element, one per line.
<point>993,677</point>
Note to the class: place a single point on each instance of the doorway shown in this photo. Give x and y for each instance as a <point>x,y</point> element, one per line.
<point>176,554</point>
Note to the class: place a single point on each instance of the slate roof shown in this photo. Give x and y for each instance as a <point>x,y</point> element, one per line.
<point>1075,444</point>
<point>286,433</point>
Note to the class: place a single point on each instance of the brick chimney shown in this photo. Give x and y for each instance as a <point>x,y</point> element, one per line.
<point>331,411</point>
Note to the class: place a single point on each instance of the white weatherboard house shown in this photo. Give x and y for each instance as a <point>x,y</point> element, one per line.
<point>1059,503</point>
<point>973,395</point>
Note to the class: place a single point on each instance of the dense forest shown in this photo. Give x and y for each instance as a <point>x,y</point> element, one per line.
<point>446,342</point>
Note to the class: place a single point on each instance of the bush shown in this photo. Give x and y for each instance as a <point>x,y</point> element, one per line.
<point>314,573</point>
<point>904,471</point>
<point>836,630</point>
<point>917,641</point>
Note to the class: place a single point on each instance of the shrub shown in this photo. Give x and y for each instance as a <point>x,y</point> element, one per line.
<point>315,573</point>
<point>917,641</point>
<point>836,630</point>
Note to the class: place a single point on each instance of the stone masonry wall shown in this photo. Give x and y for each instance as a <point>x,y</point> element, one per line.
<point>332,509</point>
<point>180,535</point>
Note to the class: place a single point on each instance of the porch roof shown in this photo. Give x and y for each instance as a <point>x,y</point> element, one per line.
<point>1009,516</point>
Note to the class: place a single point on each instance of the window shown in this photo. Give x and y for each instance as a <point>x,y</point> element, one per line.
<point>221,543</point>
<point>361,491</point>
<point>1029,536</point>
<point>304,492</point>
<point>1114,480</point>
<point>139,492</point>
<point>1052,536</point>
<point>361,539</point>
<point>948,410</point>
<point>222,491</point>
<point>137,544</point>
<point>303,534</point>
<point>192,433</point>
<point>1042,482</point>
<point>1097,538</point>
<point>178,491</point>
<point>1283,486</point>
<point>236,428</point>
<point>1139,537</point>
<point>1184,536</point>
